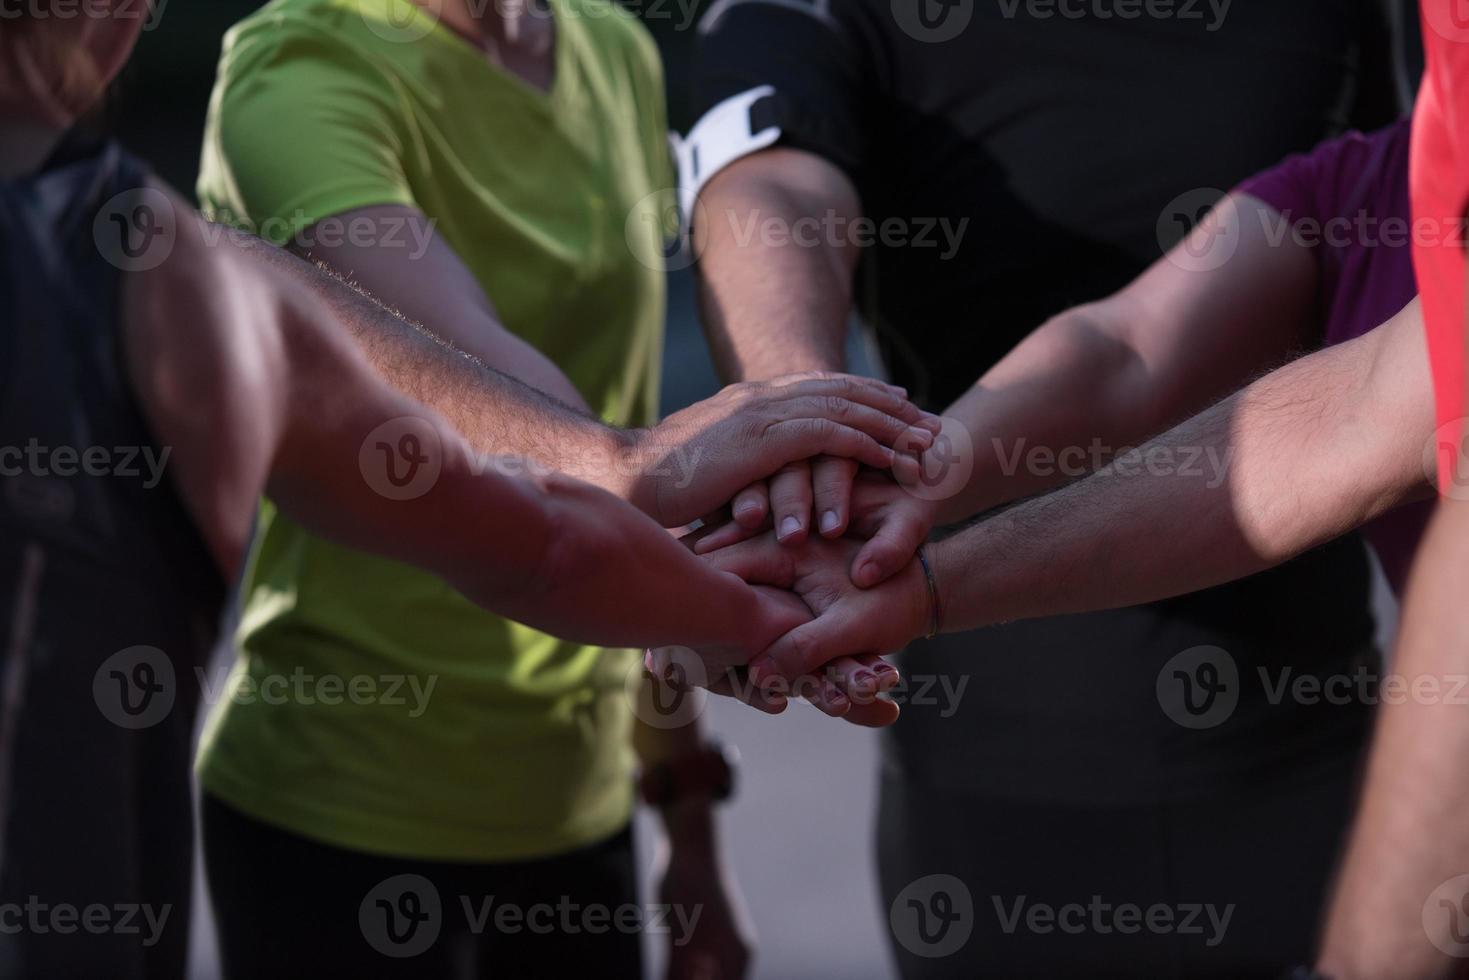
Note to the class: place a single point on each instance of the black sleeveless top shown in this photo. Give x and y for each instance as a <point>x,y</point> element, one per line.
<point>109,600</point>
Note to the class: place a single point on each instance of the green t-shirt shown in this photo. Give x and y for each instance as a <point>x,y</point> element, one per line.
<point>371,706</point>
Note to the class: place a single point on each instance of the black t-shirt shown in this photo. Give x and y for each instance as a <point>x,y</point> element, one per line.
<point>1071,151</point>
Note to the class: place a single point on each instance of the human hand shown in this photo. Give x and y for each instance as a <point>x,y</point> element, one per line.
<point>750,431</point>
<point>894,521</point>
<point>692,875</point>
<point>849,621</point>
<point>849,688</point>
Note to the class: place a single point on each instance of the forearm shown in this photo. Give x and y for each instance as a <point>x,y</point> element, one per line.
<point>772,300</point>
<point>1397,907</point>
<point>496,413</point>
<point>1296,459</point>
<point>1100,377</point>
<point>687,822</point>
<point>1051,411</point>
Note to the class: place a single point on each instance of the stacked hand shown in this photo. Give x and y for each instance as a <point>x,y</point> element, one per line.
<point>858,578</point>
<point>846,447</point>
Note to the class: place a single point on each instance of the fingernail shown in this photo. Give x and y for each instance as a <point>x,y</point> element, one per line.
<point>747,509</point>
<point>884,669</point>
<point>789,525</point>
<point>829,521</point>
<point>923,437</point>
<point>866,574</point>
<point>836,699</point>
<point>933,423</point>
<point>865,681</point>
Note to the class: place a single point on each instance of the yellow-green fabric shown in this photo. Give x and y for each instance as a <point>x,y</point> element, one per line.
<point>325,106</point>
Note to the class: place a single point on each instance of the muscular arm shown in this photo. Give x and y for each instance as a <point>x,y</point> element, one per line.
<point>1108,374</point>
<point>1302,455</point>
<point>770,304</point>
<point>1306,453</point>
<point>416,273</point>
<point>688,465</point>
<point>249,381</point>
<point>1397,912</point>
<point>775,292</point>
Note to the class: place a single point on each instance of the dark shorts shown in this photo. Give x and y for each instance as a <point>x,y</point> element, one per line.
<point>287,906</point>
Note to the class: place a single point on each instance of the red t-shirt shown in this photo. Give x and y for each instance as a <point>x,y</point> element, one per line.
<point>1439,179</point>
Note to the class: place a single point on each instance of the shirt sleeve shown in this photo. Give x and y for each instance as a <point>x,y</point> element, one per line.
<point>300,128</point>
<point>817,65</point>
<point>1290,186</point>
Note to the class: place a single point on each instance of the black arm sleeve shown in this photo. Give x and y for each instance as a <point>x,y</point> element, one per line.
<point>817,65</point>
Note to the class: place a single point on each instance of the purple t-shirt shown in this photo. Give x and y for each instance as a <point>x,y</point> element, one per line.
<point>1348,199</point>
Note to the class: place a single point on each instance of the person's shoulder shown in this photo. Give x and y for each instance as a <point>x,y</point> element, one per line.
<point>339,33</point>
<point>617,34</point>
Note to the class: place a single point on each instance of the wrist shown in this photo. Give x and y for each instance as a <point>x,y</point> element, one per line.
<point>685,788</point>
<point>636,463</point>
<point>944,575</point>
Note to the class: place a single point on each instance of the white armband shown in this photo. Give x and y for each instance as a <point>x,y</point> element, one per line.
<point>721,137</point>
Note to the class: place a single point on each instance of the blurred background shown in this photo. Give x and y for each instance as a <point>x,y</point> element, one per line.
<point>800,830</point>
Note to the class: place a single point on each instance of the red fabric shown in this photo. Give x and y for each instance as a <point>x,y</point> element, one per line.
<point>1439,179</point>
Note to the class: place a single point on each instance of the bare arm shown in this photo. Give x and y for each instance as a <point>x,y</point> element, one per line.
<point>772,304</point>
<point>1301,456</point>
<point>1189,330</point>
<point>1306,453</point>
<point>1398,909</point>
<point>416,273</point>
<point>775,294</point>
<point>688,465</point>
<point>247,378</point>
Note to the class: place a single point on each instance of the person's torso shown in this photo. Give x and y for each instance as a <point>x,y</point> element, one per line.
<point>476,738</point>
<point>1066,154</point>
<point>112,600</point>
